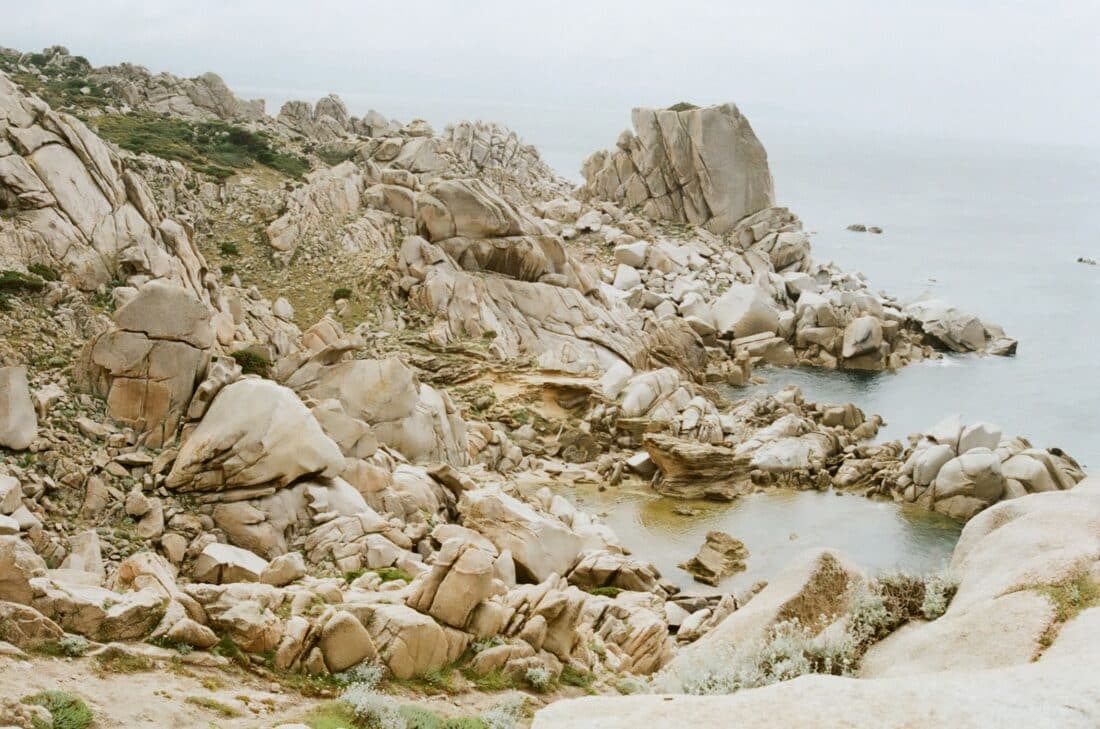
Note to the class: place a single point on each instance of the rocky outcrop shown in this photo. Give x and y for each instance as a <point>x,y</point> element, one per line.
<point>149,363</point>
<point>330,194</point>
<point>703,166</point>
<point>1011,566</point>
<point>201,98</point>
<point>257,436</point>
<point>71,204</point>
<point>1002,642</point>
<point>959,470</point>
<point>812,590</point>
<point>18,420</point>
<point>412,418</point>
<point>557,325</point>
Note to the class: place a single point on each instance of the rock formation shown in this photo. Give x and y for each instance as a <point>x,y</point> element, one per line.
<point>702,166</point>
<point>351,439</point>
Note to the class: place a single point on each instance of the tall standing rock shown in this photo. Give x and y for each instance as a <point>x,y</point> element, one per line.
<point>150,363</point>
<point>686,165</point>
<point>18,422</point>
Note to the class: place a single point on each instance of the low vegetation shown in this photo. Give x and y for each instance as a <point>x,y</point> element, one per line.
<point>252,363</point>
<point>1069,598</point>
<point>213,705</point>
<point>791,649</point>
<point>214,148</point>
<point>362,705</point>
<point>67,711</point>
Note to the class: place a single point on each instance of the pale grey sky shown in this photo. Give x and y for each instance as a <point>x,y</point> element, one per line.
<point>1003,70</point>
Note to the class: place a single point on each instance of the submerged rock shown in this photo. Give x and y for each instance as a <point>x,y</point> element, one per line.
<point>720,556</point>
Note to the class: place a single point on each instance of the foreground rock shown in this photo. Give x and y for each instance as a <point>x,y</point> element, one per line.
<point>988,650</point>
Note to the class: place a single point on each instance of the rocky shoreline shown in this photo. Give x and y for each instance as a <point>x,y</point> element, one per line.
<point>289,396</point>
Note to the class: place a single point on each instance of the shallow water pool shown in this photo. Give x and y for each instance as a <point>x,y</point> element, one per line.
<point>775,526</point>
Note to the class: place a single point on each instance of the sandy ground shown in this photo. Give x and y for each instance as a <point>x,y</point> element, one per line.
<point>159,697</point>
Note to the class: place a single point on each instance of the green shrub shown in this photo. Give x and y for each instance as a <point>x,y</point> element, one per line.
<point>682,106</point>
<point>16,282</point>
<point>538,678</point>
<point>68,711</point>
<point>213,148</point>
<point>605,591</point>
<point>571,676</point>
<point>252,363</point>
<point>341,293</point>
<point>333,156</point>
<point>44,272</point>
<point>389,574</point>
<point>417,717</point>
<point>229,248</point>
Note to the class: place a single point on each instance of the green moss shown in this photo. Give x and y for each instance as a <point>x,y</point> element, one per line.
<point>68,711</point>
<point>682,106</point>
<point>333,715</point>
<point>1070,599</point>
<point>465,722</point>
<point>213,148</point>
<point>123,663</point>
<point>605,591</point>
<point>389,574</point>
<point>212,705</point>
<point>571,676</point>
<point>252,363</point>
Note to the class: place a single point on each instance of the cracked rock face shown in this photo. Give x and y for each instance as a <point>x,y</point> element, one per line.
<point>255,434</point>
<point>703,166</point>
<point>150,362</point>
<point>76,208</point>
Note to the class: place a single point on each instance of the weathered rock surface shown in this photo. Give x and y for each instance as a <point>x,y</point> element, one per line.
<point>77,207</point>
<point>703,166</point>
<point>256,434</point>
<point>18,420</point>
<point>720,556</point>
<point>149,364</point>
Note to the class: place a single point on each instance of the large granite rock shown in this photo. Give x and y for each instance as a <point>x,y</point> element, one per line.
<point>150,362</point>
<point>959,470</point>
<point>18,420</point>
<point>540,545</point>
<point>256,435</point>
<point>812,590</point>
<point>686,165</point>
<point>71,203</point>
<point>558,325</point>
<point>411,417</point>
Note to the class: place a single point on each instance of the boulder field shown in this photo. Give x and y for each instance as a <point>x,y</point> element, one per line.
<point>316,407</point>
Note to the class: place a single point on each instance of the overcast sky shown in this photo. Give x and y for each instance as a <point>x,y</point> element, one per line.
<point>1002,70</point>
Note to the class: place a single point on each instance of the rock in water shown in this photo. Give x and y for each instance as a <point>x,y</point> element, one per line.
<point>18,422</point>
<point>686,165</point>
<point>720,556</point>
